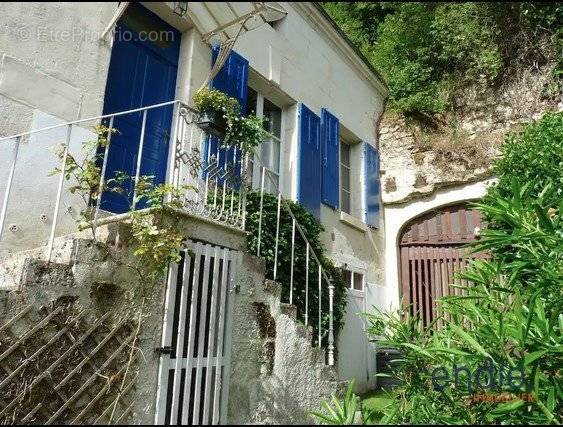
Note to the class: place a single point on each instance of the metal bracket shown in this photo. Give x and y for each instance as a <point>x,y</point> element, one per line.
<point>163,350</point>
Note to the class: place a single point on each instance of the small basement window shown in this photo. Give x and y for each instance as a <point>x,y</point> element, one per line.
<point>353,279</point>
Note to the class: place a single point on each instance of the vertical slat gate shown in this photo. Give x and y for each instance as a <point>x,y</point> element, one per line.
<point>195,353</point>
<point>432,253</point>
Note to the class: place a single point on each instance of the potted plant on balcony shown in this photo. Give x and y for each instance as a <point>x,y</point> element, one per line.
<point>215,108</point>
<point>246,132</point>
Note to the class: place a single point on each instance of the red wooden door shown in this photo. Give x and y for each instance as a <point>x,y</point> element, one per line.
<point>433,250</point>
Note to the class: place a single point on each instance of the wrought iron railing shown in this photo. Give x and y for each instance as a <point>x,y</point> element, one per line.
<point>216,178</point>
<point>324,281</point>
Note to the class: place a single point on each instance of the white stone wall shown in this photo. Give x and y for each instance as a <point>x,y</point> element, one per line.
<point>53,69</point>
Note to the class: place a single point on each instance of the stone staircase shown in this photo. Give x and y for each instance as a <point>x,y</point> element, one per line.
<point>277,375</point>
<point>19,268</point>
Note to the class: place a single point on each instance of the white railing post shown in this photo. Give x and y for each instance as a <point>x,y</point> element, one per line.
<point>139,159</point>
<point>292,260</point>
<point>277,237</point>
<point>320,307</point>
<point>59,194</point>
<point>244,170</point>
<point>307,283</point>
<point>9,185</point>
<point>174,166</point>
<point>330,324</point>
<point>102,178</point>
<point>261,210</point>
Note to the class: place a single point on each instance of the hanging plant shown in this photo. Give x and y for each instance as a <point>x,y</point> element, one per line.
<point>245,132</point>
<point>214,108</point>
<point>220,116</point>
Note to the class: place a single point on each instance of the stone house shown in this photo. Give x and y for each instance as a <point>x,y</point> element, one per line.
<point>135,67</point>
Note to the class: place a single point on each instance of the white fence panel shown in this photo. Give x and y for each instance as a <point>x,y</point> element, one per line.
<point>196,343</point>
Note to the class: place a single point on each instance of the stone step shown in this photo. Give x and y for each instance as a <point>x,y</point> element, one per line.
<point>273,288</point>
<point>46,274</point>
<point>289,310</point>
<point>12,266</point>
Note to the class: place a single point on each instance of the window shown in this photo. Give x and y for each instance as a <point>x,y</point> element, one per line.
<point>269,150</point>
<point>345,181</point>
<point>353,280</point>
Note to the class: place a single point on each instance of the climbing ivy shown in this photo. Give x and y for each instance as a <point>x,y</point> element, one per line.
<point>312,230</point>
<point>428,50</point>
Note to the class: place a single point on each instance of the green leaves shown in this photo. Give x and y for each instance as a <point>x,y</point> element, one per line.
<point>469,340</point>
<point>312,229</point>
<point>511,314</point>
<point>337,412</point>
<point>427,51</point>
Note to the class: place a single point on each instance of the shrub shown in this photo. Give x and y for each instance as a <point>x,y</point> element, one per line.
<point>534,156</point>
<point>426,51</point>
<point>508,317</point>
<point>206,100</point>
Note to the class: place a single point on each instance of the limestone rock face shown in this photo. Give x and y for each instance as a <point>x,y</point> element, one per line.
<point>418,157</point>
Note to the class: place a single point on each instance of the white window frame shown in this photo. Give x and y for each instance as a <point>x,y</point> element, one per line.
<point>353,271</point>
<point>349,167</point>
<point>256,176</point>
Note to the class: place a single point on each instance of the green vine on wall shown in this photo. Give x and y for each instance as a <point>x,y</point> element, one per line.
<point>312,229</point>
<point>155,243</point>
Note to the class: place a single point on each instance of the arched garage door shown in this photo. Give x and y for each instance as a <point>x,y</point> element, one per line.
<point>432,248</point>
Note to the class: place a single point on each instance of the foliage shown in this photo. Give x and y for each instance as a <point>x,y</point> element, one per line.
<point>206,100</point>
<point>85,174</point>
<point>312,230</point>
<point>535,155</point>
<point>510,313</point>
<point>247,132</point>
<point>156,244</point>
<point>343,412</point>
<point>427,50</point>
<point>339,413</point>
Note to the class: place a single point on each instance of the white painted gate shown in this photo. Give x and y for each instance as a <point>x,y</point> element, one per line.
<point>195,354</point>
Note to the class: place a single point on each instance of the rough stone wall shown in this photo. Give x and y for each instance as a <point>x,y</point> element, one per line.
<point>93,281</point>
<point>417,159</point>
<point>277,377</point>
<point>276,374</point>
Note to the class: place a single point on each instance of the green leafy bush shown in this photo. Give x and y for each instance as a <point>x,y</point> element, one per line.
<point>247,132</point>
<point>427,50</point>
<point>534,156</point>
<point>206,100</point>
<point>509,316</point>
<point>312,230</point>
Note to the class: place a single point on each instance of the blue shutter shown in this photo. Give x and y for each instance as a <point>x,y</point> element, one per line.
<point>309,185</point>
<point>371,186</point>
<point>232,79</point>
<point>330,140</point>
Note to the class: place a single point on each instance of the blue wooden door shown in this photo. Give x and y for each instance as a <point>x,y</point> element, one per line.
<point>141,73</point>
